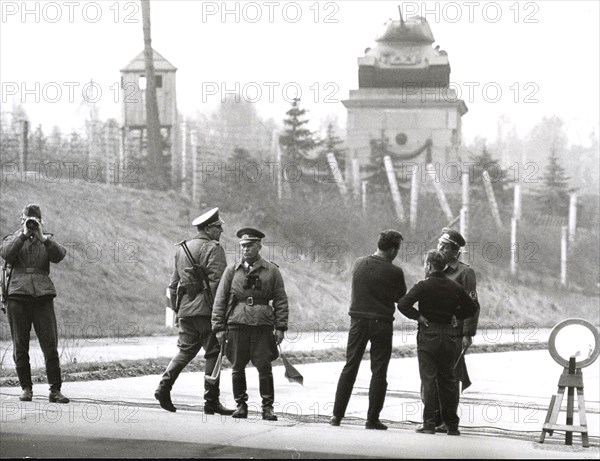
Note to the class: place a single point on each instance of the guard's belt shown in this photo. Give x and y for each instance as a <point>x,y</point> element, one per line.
<point>251,301</point>
<point>29,270</point>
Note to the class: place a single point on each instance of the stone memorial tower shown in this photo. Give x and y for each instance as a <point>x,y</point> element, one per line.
<point>404,92</point>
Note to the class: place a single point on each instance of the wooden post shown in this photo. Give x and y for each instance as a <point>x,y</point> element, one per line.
<point>364,197</point>
<point>195,162</point>
<point>23,151</point>
<point>572,215</point>
<point>563,256</point>
<point>356,185</point>
<point>108,153</point>
<point>464,212</point>
<point>491,199</point>
<point>514,250</point>
<point>440,193</point>
<point>121,151</point>
<point>414,201</point>
<point>280,168</point>
<point>337,175</point>
<point>391,175</point>
<point>184,158</point>
<point>517,202</point>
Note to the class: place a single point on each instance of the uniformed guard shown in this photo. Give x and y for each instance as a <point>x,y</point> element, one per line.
<point>199,265</point>
<point>251,314</point>
<point>31,296</point>
<point>450,244</point>
<point>439,339</point>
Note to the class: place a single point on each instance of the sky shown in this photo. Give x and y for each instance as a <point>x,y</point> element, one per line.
<point>521,60</point>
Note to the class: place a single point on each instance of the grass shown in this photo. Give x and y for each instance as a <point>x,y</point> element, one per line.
<point>120,245</point>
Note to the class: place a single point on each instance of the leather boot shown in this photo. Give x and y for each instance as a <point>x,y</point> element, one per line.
<point>164,399</point>
<point>268,415</point>
<point>267,392</point>
<point>171,374</point>
<point>211,400</point>
<point>57,397</point>
<point>210,408</point>
<point>163,391</point>
<point>238,381</point>
<point>241,412</point>
<point>26,395</point>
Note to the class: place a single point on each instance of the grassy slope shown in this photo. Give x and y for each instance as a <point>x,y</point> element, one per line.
<point>108,293</point>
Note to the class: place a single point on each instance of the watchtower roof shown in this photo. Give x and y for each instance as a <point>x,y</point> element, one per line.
<point>138,64</point>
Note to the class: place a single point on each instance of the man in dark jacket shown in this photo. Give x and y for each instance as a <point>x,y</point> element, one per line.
<point>251,315</point>
<point>450,244</point>
<point>439,340</point>
<point>192,301</point>
<point>376,285</point>
<point>31,296</point>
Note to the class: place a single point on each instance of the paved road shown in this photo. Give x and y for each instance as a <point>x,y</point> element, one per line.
<point>502,414</point>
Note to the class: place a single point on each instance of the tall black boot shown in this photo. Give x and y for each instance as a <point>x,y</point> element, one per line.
<point>240,395</point>
<point>267,392</point>
<point>211,399</point>
<point>163,391</point>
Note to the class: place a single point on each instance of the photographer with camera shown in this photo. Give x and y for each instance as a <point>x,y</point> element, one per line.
<point>250,314</point>
<point>199,265</point>
<point>31,296</point>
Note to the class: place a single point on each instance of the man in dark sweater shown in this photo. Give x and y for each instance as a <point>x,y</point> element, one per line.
<point>439,340</point>
<point>377,285</point>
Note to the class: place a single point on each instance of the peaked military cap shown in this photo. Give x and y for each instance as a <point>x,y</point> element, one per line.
<point>452,236</point>
<point>248,234</point>
<point>211,217</point>
<point>32,211</point>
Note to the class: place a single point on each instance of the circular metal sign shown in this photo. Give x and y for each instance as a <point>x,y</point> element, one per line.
<point>574,338</point>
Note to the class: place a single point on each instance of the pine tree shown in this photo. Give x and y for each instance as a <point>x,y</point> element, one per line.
<point>331,144</point>
<point>297,140</point>
<point>498,176</point>
<point>554,195</point>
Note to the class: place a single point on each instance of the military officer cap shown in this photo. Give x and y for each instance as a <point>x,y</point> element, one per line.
<point>452,236</point>
<point>248,234</point>
<point>210,218</point>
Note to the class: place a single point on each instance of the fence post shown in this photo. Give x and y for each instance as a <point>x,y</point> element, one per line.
<point>391,175</point>
<point>563,255</point>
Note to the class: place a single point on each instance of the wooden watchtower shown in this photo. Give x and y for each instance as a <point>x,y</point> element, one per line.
<point>133,108</point>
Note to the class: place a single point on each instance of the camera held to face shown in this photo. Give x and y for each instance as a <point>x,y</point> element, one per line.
<point>32,223</point>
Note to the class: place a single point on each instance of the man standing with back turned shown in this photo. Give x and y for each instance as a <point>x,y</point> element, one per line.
<point>192,290</point>
<point>376,285</point>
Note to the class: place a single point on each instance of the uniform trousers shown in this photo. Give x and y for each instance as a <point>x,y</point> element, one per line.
<point>438,348</point>
<point>22,314</point>
<point>379,333</point>
<point>256,344</point>
<point>195,333</point>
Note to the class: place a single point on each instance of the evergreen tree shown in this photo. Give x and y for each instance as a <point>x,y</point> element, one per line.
<point>498,176</point>
<point>331,144</point>
<point>553,198</point>
<point>297,140</point>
